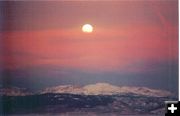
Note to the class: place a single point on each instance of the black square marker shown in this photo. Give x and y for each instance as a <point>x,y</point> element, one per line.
<point>172,108</point>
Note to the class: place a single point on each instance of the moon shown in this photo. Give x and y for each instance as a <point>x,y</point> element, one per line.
<point>87,28</point>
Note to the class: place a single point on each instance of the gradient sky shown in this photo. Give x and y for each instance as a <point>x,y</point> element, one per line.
<point>133,43</point>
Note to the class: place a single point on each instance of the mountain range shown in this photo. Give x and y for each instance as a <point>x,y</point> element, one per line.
<point>92,89</point>
<point>94,99</point>
<point>105,89</point>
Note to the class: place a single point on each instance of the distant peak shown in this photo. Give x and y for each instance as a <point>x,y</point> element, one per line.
<point>106,89</point>
<point>14,91</point>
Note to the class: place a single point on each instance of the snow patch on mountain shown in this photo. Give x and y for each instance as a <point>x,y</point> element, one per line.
<point>64,89</point>
<point>101,88</point>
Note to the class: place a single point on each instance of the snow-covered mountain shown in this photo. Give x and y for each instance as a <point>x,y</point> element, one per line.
<point>64,89</point>
<point>106,89</point>
<point>94,98</point>
<point>92,89</point>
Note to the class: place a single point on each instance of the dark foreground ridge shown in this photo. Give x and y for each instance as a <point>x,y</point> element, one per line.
<point>64,103</point>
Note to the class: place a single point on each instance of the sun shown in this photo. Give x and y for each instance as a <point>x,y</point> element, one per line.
<point>87,28</point>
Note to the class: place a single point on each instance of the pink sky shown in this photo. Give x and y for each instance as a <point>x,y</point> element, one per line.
<point>125,33</point>
<point>131,40</point>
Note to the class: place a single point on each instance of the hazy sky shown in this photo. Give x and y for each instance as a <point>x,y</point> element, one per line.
<point>133,43</point>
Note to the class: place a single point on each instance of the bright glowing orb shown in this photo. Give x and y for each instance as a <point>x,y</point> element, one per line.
<point>87,28</point>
